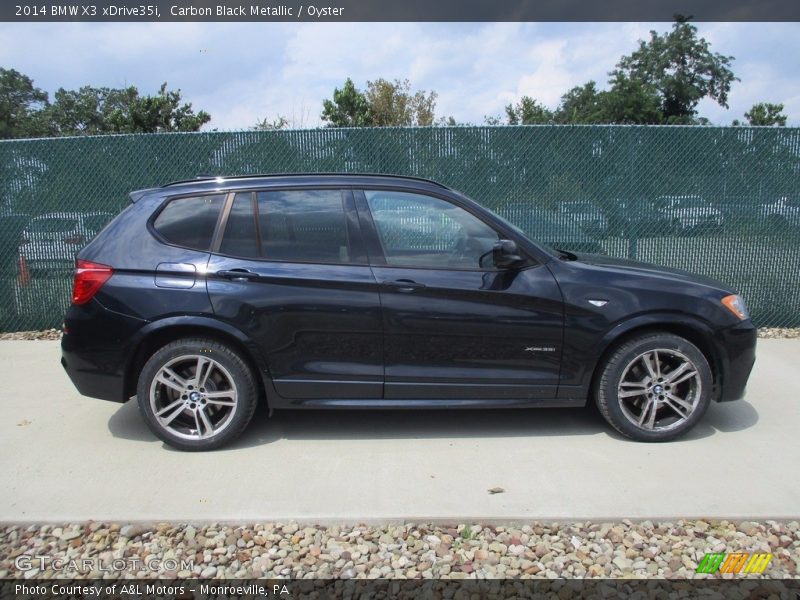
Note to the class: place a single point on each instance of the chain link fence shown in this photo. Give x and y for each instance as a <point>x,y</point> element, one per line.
<point>719,201</point>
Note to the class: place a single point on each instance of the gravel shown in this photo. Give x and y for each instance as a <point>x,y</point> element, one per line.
<point>55,334</point>
<point>779,332</point>
<point>275,550</point>
<point>47,334</point>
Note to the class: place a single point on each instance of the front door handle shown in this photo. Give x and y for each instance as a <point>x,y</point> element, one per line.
<point>238,275</point>
<point>404,285</point>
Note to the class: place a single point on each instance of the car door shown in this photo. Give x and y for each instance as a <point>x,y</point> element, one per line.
<point>456,327</point>
<point>290,270</point>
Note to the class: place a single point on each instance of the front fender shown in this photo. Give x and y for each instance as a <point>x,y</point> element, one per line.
<point>667,320</point>
<point>584,353</point>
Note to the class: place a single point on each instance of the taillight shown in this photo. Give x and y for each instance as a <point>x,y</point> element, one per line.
<point>89,278</point>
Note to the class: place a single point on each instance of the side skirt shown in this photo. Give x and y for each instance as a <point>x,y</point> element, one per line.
<point>377,403</point>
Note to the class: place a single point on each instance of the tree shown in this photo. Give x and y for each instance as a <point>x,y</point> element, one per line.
<point>681,69</point>
<point>20,104</point>
<point>582,104</point>
<point>528,112</point>
<point>279,122</point>
<point>349,107</point>
<point>94,111</point>
<point>630,102</point>
<point>766,114</point>
<point>392,104</point>
<point>163,112</point>
<point>85,111</point>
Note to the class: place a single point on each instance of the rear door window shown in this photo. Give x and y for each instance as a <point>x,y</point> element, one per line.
<point>241,235</point>
<point>303,226</point>
<point>292,226</point>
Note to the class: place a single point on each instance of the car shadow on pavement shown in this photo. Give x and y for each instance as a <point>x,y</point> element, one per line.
<point>126,423</point>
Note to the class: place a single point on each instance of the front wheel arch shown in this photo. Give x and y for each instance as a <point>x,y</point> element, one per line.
<point>655,405</point>
<point>695,335</point>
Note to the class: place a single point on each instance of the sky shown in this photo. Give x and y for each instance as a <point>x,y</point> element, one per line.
<point>241,73</point>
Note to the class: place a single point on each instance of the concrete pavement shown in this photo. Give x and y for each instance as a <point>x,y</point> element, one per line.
<point>64,457</point>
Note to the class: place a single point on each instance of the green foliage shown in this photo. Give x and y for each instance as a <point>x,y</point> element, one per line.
<point>528,112</point>
<point>160,113</point>
<point>349,107</point>
<point>26,112</point>
<point>627,102</point>
<point>582,104</point>
<point>766,114</point>
<point>20,103</point>
<point>279,122</point>
<point>384,104</point>
<point>630,102</point>
<point>392,104</point>
<point>681,69</point>
<point>660,83</point>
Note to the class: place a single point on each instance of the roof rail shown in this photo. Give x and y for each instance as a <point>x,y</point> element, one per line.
<point>206,177</point>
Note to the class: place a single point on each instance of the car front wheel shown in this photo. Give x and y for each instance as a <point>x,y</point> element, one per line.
<point>654,387</point>
<point>197,394</point>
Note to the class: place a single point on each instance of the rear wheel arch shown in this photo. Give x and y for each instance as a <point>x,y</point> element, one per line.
<point>695,333</point>
<point>158,337</point>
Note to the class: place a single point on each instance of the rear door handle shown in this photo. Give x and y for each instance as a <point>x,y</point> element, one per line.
<point>238,275</point>
<point>404,285</point>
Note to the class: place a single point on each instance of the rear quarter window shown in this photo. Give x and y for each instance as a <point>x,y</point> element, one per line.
<point>190,222</point>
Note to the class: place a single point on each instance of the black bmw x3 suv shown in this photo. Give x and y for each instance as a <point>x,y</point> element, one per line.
<point>204,297</point>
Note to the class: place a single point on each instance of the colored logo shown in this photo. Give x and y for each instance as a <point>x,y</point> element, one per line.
<point>734,562</point>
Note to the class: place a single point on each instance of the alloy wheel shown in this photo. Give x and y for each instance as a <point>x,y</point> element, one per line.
<point>193,397</point>
<point>659,389</point>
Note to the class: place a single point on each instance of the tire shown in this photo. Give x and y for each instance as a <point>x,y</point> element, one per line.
<point>653,411</point>
<point>176,405</point>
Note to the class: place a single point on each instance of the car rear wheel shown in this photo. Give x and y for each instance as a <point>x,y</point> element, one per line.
<point>654,387</point>
<point>197,394</point>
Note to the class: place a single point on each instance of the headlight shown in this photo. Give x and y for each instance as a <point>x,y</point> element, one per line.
<point>735,304</point>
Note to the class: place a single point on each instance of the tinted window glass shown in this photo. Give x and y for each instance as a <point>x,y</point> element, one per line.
<point>190,222</point>
<point>421,231</point>
<point>240,238</point>
<point>303,225</point>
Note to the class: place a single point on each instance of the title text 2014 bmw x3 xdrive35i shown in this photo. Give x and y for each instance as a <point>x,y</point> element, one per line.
<point>364,291</point>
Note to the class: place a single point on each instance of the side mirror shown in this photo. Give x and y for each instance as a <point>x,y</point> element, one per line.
<point>505,254</point>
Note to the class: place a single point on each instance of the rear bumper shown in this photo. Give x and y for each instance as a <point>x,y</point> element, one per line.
<point>737,346</point>
<point>94,350</point>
